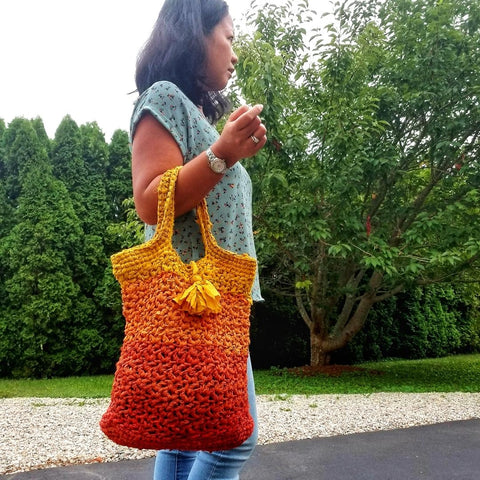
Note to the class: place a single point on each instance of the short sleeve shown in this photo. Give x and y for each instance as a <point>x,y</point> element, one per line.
<point>169,106</point>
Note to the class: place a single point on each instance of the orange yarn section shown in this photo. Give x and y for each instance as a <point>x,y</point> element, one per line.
<point>161,319</point>
<point>181,380</point>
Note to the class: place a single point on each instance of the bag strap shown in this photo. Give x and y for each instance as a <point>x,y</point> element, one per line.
<point>166,213</point>
<point>209,241</point>
<point>166,206</point>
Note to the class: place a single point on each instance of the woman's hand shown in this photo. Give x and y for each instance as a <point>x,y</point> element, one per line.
<point>243,135</point>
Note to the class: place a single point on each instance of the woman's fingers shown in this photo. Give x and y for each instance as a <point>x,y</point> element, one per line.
<point>249,116</point>
<point>237,113</point>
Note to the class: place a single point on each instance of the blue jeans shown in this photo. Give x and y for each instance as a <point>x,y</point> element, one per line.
<point>220,465</point>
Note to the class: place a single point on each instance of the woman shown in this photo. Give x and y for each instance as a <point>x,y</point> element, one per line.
<point>186,63</point>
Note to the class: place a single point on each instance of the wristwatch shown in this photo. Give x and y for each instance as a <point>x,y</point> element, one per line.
<point>218,165</point>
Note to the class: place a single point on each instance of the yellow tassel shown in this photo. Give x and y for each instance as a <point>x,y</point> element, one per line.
<point>201,297</point>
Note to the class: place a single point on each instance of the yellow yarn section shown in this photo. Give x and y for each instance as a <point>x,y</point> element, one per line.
<point>201,297</point>
<point>228,271</point>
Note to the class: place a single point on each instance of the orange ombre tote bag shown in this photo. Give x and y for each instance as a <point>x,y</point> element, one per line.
<point>181,380</point>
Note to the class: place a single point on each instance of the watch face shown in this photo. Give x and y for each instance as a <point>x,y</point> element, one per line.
<point>218,165</point>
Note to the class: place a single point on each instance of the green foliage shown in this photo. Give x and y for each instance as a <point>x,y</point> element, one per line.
<point>369,184</point>
<point>431,322</point>
<point>67,161</point>
<point>119,177</point>
<point>60,308</point>
<point>39,290</point>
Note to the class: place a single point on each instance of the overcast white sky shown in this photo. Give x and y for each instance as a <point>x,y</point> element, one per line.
<point>60,57</point>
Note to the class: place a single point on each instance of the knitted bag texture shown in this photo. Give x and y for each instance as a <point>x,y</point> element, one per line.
<point>181,380</point>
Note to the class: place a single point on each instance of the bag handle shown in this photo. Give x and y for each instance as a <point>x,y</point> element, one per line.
<point>166,213</point>
<point>166,206</point>
<point>209,241</point>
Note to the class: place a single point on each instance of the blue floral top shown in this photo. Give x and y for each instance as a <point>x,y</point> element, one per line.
<point>230,201</point>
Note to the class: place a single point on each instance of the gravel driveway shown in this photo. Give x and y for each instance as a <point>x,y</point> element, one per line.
<point>43,432</point>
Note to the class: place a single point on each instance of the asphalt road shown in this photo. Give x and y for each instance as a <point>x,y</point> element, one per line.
<point>445,451</point>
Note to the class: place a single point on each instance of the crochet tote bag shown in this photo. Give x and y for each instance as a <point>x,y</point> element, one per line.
<point>181,380</point>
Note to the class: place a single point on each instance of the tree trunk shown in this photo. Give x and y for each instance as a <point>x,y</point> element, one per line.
<point>318,356</point>
<point>323,343</point>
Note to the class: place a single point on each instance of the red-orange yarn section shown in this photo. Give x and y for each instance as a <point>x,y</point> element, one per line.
<point>178,398</point>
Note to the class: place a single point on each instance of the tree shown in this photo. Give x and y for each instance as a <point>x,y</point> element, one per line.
<point>431,321</point>
<point>80,159</point>
<point>119,181</point>
<point>370,183</point>
<point>5,206</point>
<point>118,235</point>
<point>37,253</point>
<point>68,164</point>
<point>42,136</point>
<point>93,192</point>
<point>2,131</point>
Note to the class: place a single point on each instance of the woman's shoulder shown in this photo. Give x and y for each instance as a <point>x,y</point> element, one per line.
<point>165,90</point>
<point>166,102</point>
<point>173,110</point>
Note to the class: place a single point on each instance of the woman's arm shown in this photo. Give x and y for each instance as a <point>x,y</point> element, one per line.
<point>155,151</point>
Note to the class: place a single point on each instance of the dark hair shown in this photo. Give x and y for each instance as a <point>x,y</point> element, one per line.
<point>176,51</point>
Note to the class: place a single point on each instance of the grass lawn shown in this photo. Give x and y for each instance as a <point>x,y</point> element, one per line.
<point>459,373</point>
<point>449,374</point>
